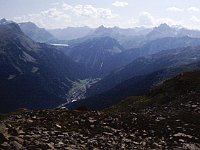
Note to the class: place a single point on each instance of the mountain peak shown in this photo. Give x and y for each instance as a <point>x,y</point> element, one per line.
<point>12,27</point>
<point>163,30</point>
<point>163,26</point>
<point>36,33</point>
<point>100,29</point>
<point>28,25</point>
<point>4,21</point>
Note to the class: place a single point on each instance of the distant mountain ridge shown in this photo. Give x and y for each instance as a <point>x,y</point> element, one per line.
<point>126,37</point>
<point>35,33</point>
<point>71,33</point>
<point>165,30</point>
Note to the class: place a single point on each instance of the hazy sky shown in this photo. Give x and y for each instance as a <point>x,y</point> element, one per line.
<point>123,13</point>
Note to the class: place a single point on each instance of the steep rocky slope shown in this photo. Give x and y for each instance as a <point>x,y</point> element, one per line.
<point>32,75</point>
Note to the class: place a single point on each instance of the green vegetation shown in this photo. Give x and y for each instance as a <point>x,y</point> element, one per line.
<point>79,89</point>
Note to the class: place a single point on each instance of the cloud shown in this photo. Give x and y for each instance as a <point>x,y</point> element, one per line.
<point>66,6</point>
<point>48,19</point>
<point>175,9</point>
<point>90,11</point>
<point>145,19</point>
<point>55,4</point>
<point>195,19</point>
<point>193,23</point>
<point>168,21</point>
<point>64,15</point>
<point>120,4</point>
<point>193,9</point>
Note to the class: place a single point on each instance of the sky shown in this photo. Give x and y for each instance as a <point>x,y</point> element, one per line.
<point>53,14</point>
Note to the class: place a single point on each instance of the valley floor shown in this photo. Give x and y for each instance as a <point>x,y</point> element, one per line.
<point>78,90</point>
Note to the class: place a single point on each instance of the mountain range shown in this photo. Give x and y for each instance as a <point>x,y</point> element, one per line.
<point>145,65</point>
<point>71,33</point>
<point>98,87</point>
<point>128,38</point>
<point>94,68</point>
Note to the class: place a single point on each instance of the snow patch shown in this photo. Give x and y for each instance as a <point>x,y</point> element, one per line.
<point>28,58</point>
<point>74,100</point>
<point>34,69</point>
<point>114,50</point>
<point>17,68</point>
<point>101,64</point>
<point>12,76</point>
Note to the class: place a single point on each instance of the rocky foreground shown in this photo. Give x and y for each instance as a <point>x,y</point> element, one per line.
<point>158,120</point>
<point>64,129</point>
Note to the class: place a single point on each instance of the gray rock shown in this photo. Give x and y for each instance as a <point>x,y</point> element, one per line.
<point>2,138</point>
<point>191,146</point>
<point>76,122</point>
<point>19,140</point>
<point>16,145</point>
<point>50,146</point>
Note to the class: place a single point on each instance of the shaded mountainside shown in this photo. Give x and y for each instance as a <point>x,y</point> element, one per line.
<point>94,54</point>
<point>146,65</point>
<point>104,55</point>
<point>32,75</point>
<point>127,56</point>
<point>136,86</point>
<point>183,88</point>
<point>35,33</point>
<point>166,118</point>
